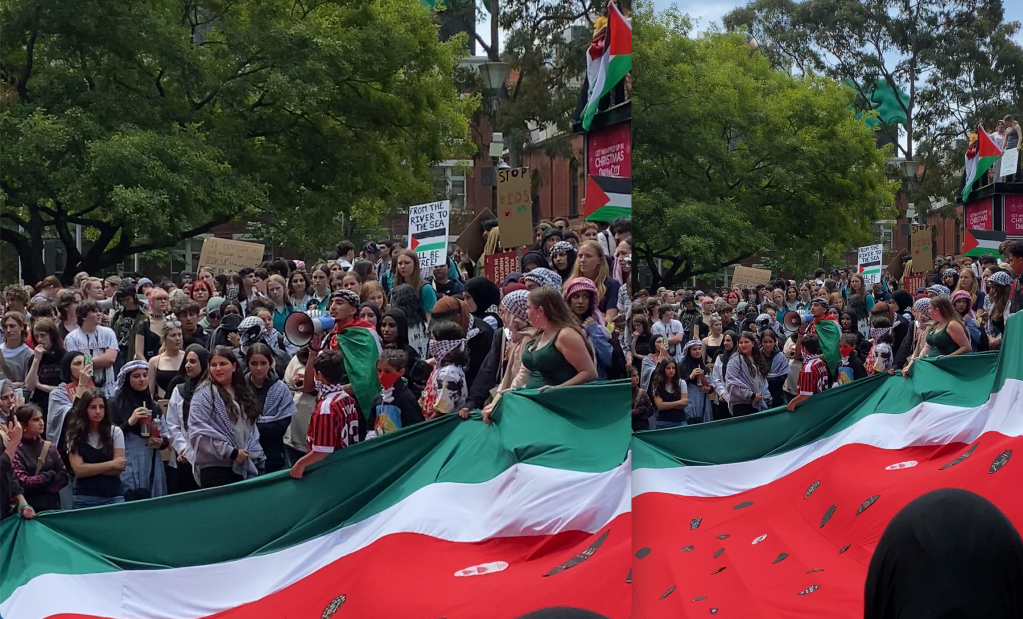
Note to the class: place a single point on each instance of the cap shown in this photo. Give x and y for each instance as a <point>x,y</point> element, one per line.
<point>371,248</point>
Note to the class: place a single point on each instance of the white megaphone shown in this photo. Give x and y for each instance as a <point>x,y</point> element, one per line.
<point>794,320</point>
<point>300,327</point>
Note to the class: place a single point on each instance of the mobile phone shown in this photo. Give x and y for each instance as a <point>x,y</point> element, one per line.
<point>88,359</point>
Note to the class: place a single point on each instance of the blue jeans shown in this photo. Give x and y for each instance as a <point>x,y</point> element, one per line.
<point>669,424</point>
<point>81,501</point>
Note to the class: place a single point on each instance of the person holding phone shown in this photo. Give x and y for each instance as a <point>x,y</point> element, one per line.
<point>97,341</point>
<point>696,376</point>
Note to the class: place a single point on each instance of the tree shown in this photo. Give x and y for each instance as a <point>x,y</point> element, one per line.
<point>148,123</point>
<point>956,61</point>
<point>733,158</point>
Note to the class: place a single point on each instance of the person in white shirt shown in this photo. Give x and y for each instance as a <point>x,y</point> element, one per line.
<point>671,329</point>
<point>98,341</point>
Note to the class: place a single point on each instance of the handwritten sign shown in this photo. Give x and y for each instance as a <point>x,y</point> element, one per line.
<point>920,246</point>
<point>514,207</point>
<point>896,266</point>
<point>1010,161</point>
<point>869,259</point>
<point>496,267</point>
<point>226,255</point>
<point>746,277</point>
<point>428,232</point>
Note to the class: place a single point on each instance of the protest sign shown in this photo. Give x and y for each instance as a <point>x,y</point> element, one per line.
<point>428,232</point>
<point>869,260</point>
<point>226,255</point>
<point>472,239</point>
<point>498,266</point>
<point>746,277</point>
<point>514,207</point>
<point>1010,161</point>
<point>920,248</point>
<point>912,282</point>
<point>896,267</point>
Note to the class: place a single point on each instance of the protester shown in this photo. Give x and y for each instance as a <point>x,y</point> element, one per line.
<point>335,423</point>
<point>408,301</point>
<point>447,389</point>
<point>96,341</point>
<point>44,373</point>
<point>167,363</point>
<point>501,370</point>
<point>814,376</point>
<point>558,355</point>
<point>483,298</point>
<point>643,411</point>
<point>149,335</point>
<point>37,463</point>
<point>999,300</point>
<point>134,411</point>
<point>695,376</point>
<point>373,292</point>
<point>274,401</point>
<point>746,377</point>
<point>582,299</point>
<point>320,283</point>
<point>95,447</point>
<point>15,357</point>
<point>181,477</point>
<point>778,364</point>
<point>667,394</point>
<point>395,407</point>
<point>221,424</point>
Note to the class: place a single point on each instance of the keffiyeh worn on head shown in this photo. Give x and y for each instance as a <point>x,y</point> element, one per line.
<point>440,350</point>
<point>1000,278</point>
<point>348,296</point>
<point>939,290</point>
<point>127,369</point>
<point>877,332</point>
<point>688,346</point>
<point>515,303</point>
<point>561,247</point>
<point>821,300</point>
<point>922,306</point>
<point>544,277</point>
<point>584,284</point>
<point>251,330</point>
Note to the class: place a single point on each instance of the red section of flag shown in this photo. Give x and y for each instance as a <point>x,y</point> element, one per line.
<point>413,243</point>
<point>986,147</point>
<point>595,196</point>
<point>621,33</point>
<point>969,243</point>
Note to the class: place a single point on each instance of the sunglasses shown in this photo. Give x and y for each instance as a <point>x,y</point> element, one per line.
<point>214,314</point>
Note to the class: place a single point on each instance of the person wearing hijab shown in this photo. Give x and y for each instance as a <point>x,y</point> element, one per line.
<point>563,257</point>
<point>695,376</point>
<point>949,554</point>
<point>181,388</point>
<point>504,361</point>
<point>550,238</point>
<point>478,333</point>
<point>393,331</point>
<point>211,319</point>
<point>406,299</point>
<point>483,298</point>
<point>132,409</point>
<point>581,296</point>
<point>540,277</point>
<point>903,302</point>
<point>533,259</point>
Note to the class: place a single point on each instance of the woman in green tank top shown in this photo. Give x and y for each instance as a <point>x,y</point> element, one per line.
<point>946,336</point>
<point>558,356</point>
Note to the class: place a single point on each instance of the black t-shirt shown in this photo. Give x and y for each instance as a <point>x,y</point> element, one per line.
<point>670,414</point>
<point>151,341</point>
<point>198,337</point>
<point>48,374</point>
<point>450,288</point>
<point>125,326</point>
<point>610,300</point>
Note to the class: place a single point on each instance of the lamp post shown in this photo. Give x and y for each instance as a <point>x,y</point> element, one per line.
<point>495,74</point>
<point>909,170</point>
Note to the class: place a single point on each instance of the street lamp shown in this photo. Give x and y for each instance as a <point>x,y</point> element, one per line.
<point>494,74</point>
<point>909,170</point>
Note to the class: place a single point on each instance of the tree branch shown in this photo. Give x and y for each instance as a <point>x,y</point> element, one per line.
<point>29,56</point>
<point>204,228</point>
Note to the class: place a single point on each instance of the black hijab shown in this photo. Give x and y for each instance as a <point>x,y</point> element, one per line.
<point>372,306</point>
<point>65,366</point>
<point>950,554</point>
<point>533,257</point>
<point>126,400</point>
<point>401,321</point>
<point>484,293</point>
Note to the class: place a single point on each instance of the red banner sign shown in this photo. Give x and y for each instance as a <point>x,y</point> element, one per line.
<point>496,267</point>
<point>609,151</point>
<point>911,282</point>
<point>1014,215</point>
<point>979,215</point>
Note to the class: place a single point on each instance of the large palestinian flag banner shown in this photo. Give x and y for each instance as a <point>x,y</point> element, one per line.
<point>449,518</point>
<point>778,514</point>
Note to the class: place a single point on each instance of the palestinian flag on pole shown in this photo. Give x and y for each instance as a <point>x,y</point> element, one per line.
<point>360,349</point>
<point>608,60</point>
<point>981,155</point>
<point>607,198</point>
<point>980,242</point>
<point>777,514</point>
<point>446,518</point>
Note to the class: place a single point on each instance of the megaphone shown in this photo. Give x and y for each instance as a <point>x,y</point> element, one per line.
<point>300,327</point>
<point>794,320</point>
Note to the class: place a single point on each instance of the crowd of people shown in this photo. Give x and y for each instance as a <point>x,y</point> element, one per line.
<point>123,388</point>
<point>703,356</point>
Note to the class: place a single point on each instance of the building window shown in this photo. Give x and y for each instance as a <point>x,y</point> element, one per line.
<point>449,184</point>
<point>573,189</point>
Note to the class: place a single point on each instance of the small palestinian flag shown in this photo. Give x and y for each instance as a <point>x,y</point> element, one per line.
<point>787,508</point>
<point>981,155</point>
<point>448,518</point>
<point>429,240</point>
<point>980,242</point>
<point>608,198</point>
<point>608,60</point>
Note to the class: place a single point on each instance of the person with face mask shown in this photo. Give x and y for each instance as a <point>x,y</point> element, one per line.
<point>504,361</point>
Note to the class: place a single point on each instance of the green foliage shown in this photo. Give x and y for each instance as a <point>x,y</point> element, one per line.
<point>733,158</point>
<point>152,122</point>
<point>957,61</point>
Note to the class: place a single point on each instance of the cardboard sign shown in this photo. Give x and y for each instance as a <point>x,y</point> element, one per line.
<point>1010,161</point>
<point>896,267</point>
<point>869,261</point>
<point>514,207</point>
<point>920,248</point>
<point>496,267</point>
<point>472,239</point>
<point>428,232</point>
<point>912,282</point>
<point>746,277</point>
<point>226,255</point>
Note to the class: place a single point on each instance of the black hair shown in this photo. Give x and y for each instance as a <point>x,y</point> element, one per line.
<point>811,343</point>
<point>246,271</point>
<point>621,225</point>
<point>280,267</point>
<point>331,366</point>
<point>343,248</point>
<point>78,425</point>
<point>86,307</point>
<point>446,330</point>
<point>259,348</point>
<point>262,273</point>
<point>242,393</point>
<point>394,357</point>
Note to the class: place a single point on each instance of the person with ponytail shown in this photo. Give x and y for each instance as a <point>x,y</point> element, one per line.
<point>222,430</point>
<point>182,388</point>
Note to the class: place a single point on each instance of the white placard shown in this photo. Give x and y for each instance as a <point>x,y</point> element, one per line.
<point>428,233</point>
<point>869,259</point>
<point>1010,160</point>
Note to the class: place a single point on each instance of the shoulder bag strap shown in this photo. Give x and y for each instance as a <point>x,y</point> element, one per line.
<point>42,456</point>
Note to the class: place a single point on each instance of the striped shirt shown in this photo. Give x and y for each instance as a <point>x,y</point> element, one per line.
<point>814,376</point>
<point>335,423</point>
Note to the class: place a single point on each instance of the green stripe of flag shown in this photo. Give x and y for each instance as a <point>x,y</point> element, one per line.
<point>431,246</point>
